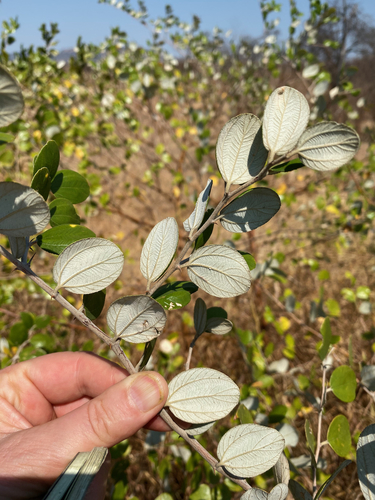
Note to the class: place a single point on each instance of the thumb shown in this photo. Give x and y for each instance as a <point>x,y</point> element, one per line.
<point>103,421</point>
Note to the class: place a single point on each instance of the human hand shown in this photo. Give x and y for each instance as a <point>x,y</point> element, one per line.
<point>55,406</point>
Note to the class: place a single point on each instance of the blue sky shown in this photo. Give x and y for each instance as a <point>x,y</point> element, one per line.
<point>93,21</point>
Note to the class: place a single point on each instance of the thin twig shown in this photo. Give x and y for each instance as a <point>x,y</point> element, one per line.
<point>319,432</point>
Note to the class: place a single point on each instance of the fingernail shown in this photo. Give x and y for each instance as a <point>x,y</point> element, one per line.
<point>145,392</point>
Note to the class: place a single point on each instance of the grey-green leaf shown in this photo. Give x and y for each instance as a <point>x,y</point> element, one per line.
<point>219,326</point>
<point>159,249</point>
<point>327,146</point>
<point>17,246</point>
<point>219,270</point>
<point>279,492</point>
<point>285,118</point>
<point>289,433</point>
<point>196,218</point>
<point>198,429</point>
<point>248,450</point>
<point>11,100</point>
<point>366,462</point>
<point>201,395</point>
<point>281,470</point>
<point>367,377</point>
<point>240,153</point>
<point>88,265</point>
<point>200,316</point>
<point>136,318</point>
<point>251,210</point>
<point>23,212</point>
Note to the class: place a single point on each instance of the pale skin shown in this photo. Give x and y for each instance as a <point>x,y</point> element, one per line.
<point>55,406</point>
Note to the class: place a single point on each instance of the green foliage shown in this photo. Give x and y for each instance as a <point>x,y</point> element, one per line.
<point>343,383</point>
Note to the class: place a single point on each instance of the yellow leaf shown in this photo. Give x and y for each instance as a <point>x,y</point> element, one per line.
<point>193,131</point>
<point>119,235</point>
<point>68,84</point>
<point>331,209</point>
<point>215,180</point>
<point>284,323</point>
<point>300,177</point>
<point>75,111</point>
<point>180,132</point>
<point>176,191</point>
<point>281,189</point>
<point>37,134</point>
<point>79,152</point>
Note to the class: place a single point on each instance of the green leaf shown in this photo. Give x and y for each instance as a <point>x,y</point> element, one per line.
<point>42,182</point>
<point>325,330</point>
<point>42,321</point>
<point>164,496</point>
<point>348,294</point>
<point>339,436</point>
<point>55,240</point>
<point>244,415</point>
<point>49,158</point>
<point>149,349</point>
<point>94,303</point>
<point>202,493</point>
<point>206,235</point>
<point>5,138</point>
<point>43,341</point>
<point>63,212</point>
<point>249,260</point>
<point>343,383</point>
<point>216,312</point>
<point>277,414</point>
<point>31,352</point>
<point>71,186</point>
<point>27,319</point>
<point>363,292</point>
<point>333,307</point>
<point>175,295</point>
<point>287,167</point>
<point>331,478</point>
<point>310,438</point>
<point>18,334</point>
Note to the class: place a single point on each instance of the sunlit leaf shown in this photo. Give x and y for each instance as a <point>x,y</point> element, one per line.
<point>251,210</point>
<point>198,429</point>
<point>11,100</point>
<point>279,492</point>
<point>219,326</point>
<point>219,270</point>
<point>63,212</point>
<point>70,185</point>
<point>339,436</point>
<point>310,438</point>
<point>325,330</point>
<point>136,318</point>
<point>56,239</point>
<point>248,450</point>
<point>327,146</point>
<point>366,462</point>
<point>196,218</point>
<point>159,249</point>
<point>201,395</point>
<point>343,383</point>
<point>289,433</point>
<point>23,212</point>
<point>285,118</point>
<point>200,316</point>
<point>240,153</point>
<point>175,295</point>
<point>88,265</point>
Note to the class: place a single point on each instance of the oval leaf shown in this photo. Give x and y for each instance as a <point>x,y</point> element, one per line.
<point>200,316</point>
<point>23,212</point>
<point>251,210</point>
<point>88,265</point>
<point>136,318</point>
<point>279,492</point>
<point>299,491</point>
<point>42,182</point>
<point>11,100</point>
<point>159,249</point>
<point>49,158</point>
<point>343,383</point>
<point>327,146</point>
<point>71,186</point>
<point>289,433</point>
<point>248,450</point>
<point>63,212</point>
<point>366,461</point>
<point>219,270</point>
<point>219,326</point>
<point>281,470</point>
<point>198,429</point>
<point>201,395</point>
<point>367,376</point>
<point>240,153</point>
<point>339,436</point>
<point>55,240</point>
<point>17,246</point>
<point>94,303</point>
<point>196,218</point>
<point>285,118</point>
